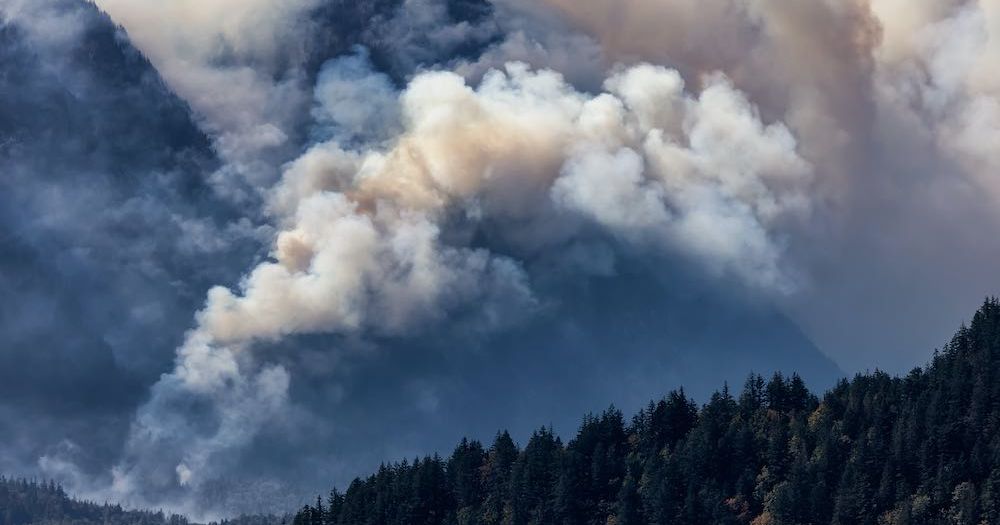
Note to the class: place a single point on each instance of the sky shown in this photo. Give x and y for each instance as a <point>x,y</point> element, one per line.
<point>250,249</point>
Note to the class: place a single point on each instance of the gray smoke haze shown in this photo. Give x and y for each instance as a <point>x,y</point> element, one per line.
<point>892,104</point>
<point>277,243</point>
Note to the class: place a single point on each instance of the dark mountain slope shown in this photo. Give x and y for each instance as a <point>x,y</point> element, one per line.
<point>109,231</point>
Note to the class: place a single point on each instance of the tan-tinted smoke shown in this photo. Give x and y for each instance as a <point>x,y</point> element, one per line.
<point>806,63</point>
<point>362,249</point>
<point>829,68</point>
<point>788,102</point>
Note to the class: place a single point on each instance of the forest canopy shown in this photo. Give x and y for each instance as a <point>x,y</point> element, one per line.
<point>874,450</point>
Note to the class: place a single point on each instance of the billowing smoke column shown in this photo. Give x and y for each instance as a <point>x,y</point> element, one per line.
<point>369,244</point>
<point>752,138</point>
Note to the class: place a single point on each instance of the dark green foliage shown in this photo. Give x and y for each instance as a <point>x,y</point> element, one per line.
<point>877,450</point>
<point>24,502</point>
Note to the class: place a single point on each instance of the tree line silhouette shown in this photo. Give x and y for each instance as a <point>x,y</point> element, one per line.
<point>874,450</point>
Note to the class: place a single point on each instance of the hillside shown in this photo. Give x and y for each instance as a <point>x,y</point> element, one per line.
<point>24,502</point>
<point>878,450</point>
<point>104,177</point>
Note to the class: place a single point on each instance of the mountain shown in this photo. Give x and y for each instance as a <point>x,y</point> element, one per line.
<point>874,450</point>
<point>104,185</point>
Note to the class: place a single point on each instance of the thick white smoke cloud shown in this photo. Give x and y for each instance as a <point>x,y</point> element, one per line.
<point>365,247</point>
<point>759,139</point>
<point>827,68</point>
<point>805,63</point>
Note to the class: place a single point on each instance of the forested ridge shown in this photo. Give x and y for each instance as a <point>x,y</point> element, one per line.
<point>31,502</point>
<point>46,503</point>
<point>877,449</point>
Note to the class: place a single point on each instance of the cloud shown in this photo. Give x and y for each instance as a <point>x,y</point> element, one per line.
<point>447,174</point>
<point>377,224</point>
<point>367,245</point>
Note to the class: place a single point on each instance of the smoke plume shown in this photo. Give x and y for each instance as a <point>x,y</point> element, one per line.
<point>371,239</point>
<point>422,174</point>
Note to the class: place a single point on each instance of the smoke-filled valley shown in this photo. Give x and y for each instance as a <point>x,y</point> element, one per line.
<point>252,249</point>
